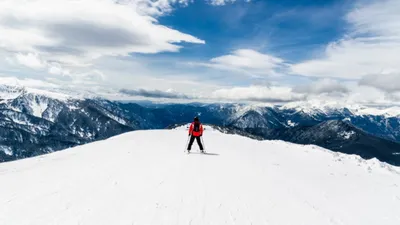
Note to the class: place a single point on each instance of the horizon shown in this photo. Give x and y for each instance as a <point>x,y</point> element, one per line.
<point>65,94</point>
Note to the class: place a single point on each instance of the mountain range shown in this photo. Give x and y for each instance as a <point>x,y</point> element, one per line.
<point>35,122</point>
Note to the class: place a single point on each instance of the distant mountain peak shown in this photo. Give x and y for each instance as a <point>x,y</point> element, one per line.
<point>326,107</point>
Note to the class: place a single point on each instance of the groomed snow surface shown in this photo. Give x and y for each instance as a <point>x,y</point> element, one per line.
<point>145,178</point>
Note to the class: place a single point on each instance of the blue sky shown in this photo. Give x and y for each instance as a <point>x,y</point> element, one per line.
<point>291,29</point>
<point>207,50</point>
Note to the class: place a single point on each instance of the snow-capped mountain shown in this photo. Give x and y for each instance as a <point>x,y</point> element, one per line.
<point>33,122</point>
<point>252,117</point>
<point>377,122</point>
<point>318,107</point>
<point>144,177</point>
<point>342,137</point>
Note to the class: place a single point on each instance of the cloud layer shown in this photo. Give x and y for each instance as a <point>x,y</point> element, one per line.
<point>247,61</point>
<point>76,32</point>
<point>387,83</point>
<point>370,46</point>
<point>323,86</point>
<point>272,94</point>
<point>154,94</point>
<point>89,43</point>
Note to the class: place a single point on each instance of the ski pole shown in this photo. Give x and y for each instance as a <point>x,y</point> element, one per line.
<point>187,143</point>
<point>202,141</point>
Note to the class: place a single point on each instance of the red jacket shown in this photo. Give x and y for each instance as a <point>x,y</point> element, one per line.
<point>196,133</point>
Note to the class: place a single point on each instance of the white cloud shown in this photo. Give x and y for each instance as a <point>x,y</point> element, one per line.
<point>367,95</point>
<point>84,29</point>
<point>328,91</point>
<point>169,94</point>
<point>247,58</point>
<point>63,40</point>
<point>56,69</point>
<point>30,60</point>
<point>33,61</point>
<point>79,43</point>
<point>370,47</point>
<point>186,92</point>
<point>257,94</point>
<point>154,7</point>
<point>388,82</point>
<point>32,83</point>
<point>68,42</point>
<point>220,2</point>
<point>323,86</point>
<point>248,61</point>
<point>223,2</point>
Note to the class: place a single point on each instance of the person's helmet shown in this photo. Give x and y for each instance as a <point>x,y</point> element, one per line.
<point>196,119</point>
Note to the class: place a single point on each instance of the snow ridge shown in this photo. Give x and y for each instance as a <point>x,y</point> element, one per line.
<point>132,179</point>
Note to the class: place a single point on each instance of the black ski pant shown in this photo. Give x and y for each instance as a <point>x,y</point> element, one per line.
<point>198,142</point>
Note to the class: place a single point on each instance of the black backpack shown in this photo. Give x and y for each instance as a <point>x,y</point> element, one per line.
<point>196,127</point>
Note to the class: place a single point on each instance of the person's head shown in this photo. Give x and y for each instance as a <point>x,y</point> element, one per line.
<point>196,119</point>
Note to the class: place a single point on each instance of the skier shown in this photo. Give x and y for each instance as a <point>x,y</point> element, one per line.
<point>195,132</point>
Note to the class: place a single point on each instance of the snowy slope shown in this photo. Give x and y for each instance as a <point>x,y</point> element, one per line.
<point>144,177</point>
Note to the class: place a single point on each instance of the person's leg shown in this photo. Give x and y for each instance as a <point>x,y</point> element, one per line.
<point>199,142</point>
<point>190,143</point>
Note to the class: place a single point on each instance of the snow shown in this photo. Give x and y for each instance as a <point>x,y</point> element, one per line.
<point>313,107</point>
<point>8,93</point>
<point>73,107</point>
<point>50,94</point>
<point>22,122</point>
<point>184,127</point>
<point>6,149</point>
<point>243,109</point>
<point>347,119</point>
<point>144,177</point>
<point>12,92</point>
<point>388,112</point>
<point>52,112</point>
<point>346,134</point>
<point>38,108</point>
<point>291,124</point>
<point>13,88</point>
<point>115,118</point>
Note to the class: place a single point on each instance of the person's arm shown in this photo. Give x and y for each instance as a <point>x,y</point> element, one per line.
<point>201,129</point>
<point>191,129</point>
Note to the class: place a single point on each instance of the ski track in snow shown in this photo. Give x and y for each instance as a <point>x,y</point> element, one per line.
<point>144,177</point>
